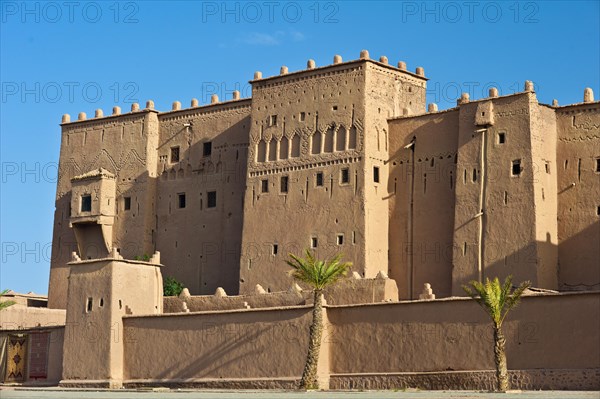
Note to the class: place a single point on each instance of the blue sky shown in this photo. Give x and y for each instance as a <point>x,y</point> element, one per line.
<point>60,57</point>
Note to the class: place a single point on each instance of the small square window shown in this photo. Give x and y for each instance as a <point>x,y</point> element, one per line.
<point>273,120</point>
<point>302,116</point>
<point>211,201</point>
<point>284,184</point>
<point>340,239</point>
<point>181,200</point>
<point>86,203</point>
<point>274,249</point>
<point>334,107</point>
<point>207,149</point>
<point>376,174</point>
<point>345,176</point>
<point>314,242</point>
<point>516,167</point>
<point>126,203</point>
<point>501,138</point>
<point>319,179</point>
<point>174,154</point>
<point>264,186</point>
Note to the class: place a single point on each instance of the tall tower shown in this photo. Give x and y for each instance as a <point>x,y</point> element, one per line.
<point>317,165</point>
<point>124,146</point>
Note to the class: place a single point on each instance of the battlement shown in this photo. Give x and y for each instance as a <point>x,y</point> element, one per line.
<point>312,70</point>
<point>135,109</point>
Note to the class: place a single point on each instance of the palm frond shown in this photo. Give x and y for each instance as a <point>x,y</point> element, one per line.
<point>494,297</point>
<point>317,273</point>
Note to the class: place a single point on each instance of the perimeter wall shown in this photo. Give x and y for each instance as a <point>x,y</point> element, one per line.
<point>553,343</point>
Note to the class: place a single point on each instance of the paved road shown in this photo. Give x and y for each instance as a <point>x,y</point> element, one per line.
<point>213,394</point>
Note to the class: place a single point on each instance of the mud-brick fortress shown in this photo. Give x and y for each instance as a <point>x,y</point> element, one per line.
<point>347,158</point>
<point>340,158</point>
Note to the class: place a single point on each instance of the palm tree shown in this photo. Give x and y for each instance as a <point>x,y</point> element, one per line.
<point>497,299</point>
<point>317,274</point>
<point>5,304</point>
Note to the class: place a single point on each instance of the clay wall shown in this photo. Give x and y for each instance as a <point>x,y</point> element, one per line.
<point>369,343</point>
<point>421,205</point>
<point>577,158</point>
<point>125,145</point>
<point>200,240</point>
<point>307,129</point>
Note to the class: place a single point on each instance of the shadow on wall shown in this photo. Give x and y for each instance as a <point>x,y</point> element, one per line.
<point>422,197</point>
<point>579,260</point>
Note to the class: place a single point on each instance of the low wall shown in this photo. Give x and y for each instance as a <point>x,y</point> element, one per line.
<point>553,343</point>
<point>266,348</point>
<point>17,317</point>
<point>348,291</point>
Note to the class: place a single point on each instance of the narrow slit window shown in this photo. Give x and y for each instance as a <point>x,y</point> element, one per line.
<point>302,116</point>
<point>86,203</point>
<point>207,149</point>
<point>174,154</point>
<point>284,184</point>
<point>340,239</point>
<point>211,201</point>
<point>319,179</point>
<point>516,167</point>
<point>273,120</point>
<point>101,304</point>
<point>181,200</point>
<point>345,176</point>
<point>264,186</point>
<point>274,249</point>
<point>314,242</point>
<point>376,174</point>
<point>547,166</point>
<point>127,203</point>
<point>597,164</point>
<point>90,304</point>
<point>501,138</point>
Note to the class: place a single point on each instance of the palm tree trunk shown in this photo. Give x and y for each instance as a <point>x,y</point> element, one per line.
<point>309,375</point>
<point>500,359</point>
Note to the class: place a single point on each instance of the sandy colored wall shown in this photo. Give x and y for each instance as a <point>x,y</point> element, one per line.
<point>555,334</point>
<point>19,317</point>
<point>100,293</point>
<point>421,241</point>
<point>388,93</point>
<point>125,145</point>
<point>548,332</point>
<point>238,344</point>
<point>347,291</point>
<point>201,245</point>
<point>578,149</point>
<point>306,210</point>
